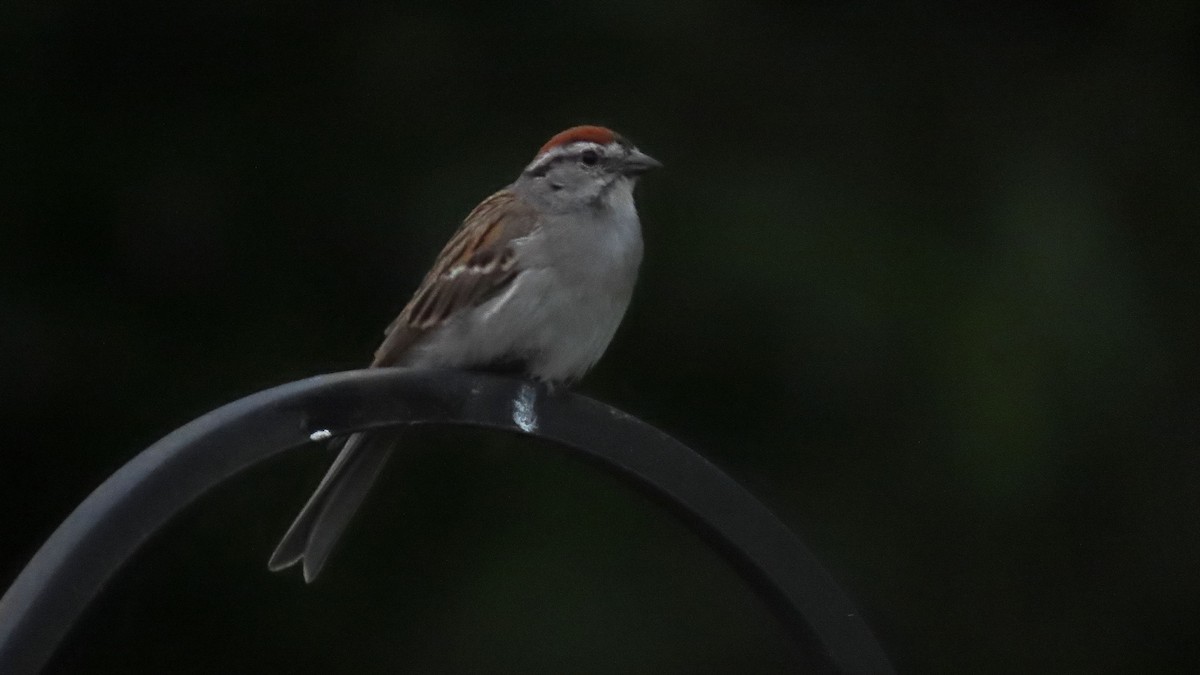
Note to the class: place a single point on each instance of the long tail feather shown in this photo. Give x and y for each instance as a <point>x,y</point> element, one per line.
<point>324,518</point>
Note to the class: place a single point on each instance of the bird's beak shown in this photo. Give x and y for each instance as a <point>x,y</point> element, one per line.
<point>637,163</point>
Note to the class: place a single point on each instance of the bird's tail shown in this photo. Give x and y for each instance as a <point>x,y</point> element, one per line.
<point>323,519</point>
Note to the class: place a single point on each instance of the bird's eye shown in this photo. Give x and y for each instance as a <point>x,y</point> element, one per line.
<point>589,157</point>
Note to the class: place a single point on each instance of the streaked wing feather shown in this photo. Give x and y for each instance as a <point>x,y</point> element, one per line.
<point>476,263</point>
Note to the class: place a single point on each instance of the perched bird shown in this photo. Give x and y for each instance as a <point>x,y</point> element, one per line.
<point>536,279</point>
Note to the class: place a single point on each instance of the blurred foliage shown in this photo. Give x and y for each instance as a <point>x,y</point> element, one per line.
<point>923,277</point>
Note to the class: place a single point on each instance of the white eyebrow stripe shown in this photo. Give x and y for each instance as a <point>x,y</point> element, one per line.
<point>561,150</point>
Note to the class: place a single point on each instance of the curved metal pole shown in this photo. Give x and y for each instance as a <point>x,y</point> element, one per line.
<point>112,523</point>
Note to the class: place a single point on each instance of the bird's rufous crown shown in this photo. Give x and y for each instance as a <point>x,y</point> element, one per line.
<point>585,132</point>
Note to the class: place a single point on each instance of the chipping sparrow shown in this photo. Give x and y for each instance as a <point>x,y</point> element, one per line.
<point>538,276</point>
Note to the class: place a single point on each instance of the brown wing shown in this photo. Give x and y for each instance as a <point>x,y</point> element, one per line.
<point>476,263</point>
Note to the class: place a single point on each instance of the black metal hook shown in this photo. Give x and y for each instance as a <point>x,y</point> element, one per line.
<point>108,527</point>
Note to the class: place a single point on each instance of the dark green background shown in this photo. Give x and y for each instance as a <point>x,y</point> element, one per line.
<point>924,278</point>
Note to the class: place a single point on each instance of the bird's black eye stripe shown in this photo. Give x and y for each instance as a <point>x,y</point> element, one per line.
<point>589,157</point>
